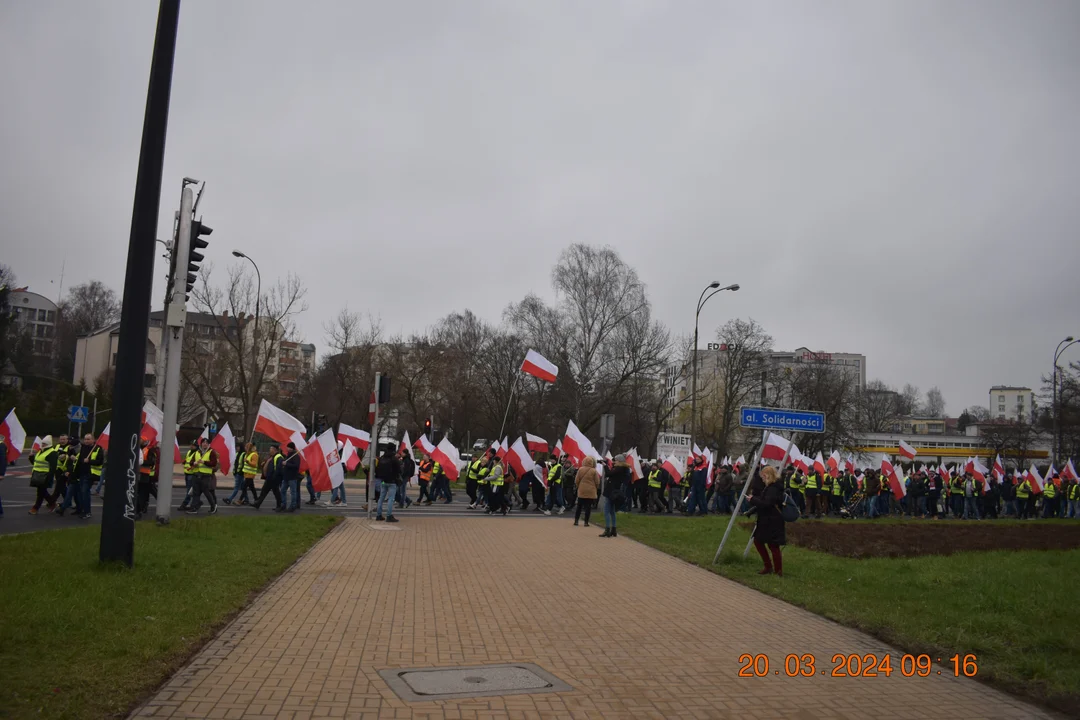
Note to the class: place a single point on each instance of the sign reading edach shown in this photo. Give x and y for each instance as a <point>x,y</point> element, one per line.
<point>673,444</point>
<point>780,419</point>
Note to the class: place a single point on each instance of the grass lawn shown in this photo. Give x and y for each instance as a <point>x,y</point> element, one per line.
<point>78,640</point>
<point>992,604</point>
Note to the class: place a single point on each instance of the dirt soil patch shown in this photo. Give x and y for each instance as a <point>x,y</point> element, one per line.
<point>912,539</point>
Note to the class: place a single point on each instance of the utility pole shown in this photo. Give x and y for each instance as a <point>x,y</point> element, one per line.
<point>373,449</point>
<point>172,341</point>
<point>124,457</point>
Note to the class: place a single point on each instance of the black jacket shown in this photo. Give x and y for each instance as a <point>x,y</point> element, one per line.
<point>770,523</point>
<point>388,468</point>
<point>408,467</point>
<point>616,478</point>
<point>291,470</point>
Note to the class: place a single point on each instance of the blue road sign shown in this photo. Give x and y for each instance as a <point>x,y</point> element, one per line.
<point>78,413</point>
<point>780,419</point>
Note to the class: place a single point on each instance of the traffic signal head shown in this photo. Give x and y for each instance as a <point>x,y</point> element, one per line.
<point>195,257</point>
<point>427,426</point>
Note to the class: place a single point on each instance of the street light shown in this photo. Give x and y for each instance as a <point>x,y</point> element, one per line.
<point>1054,395</point>
<point>258,299</point>
<point>715,287</point>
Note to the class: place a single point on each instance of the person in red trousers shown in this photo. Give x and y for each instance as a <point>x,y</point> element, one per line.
<point>770,523</point>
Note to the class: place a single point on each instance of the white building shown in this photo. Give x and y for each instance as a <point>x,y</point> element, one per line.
<point>1012,403</point>
<point>37,315</point>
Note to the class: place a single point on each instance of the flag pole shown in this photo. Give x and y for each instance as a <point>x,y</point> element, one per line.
<point>746,486</point>
<point>507,413</point>
<point>373,446</point>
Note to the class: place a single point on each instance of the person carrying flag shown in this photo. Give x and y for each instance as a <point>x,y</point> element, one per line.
<point>555,487</point>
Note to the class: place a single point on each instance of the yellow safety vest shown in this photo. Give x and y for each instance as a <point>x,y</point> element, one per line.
<point>95,470</point>
<point>654,479</point>
<point>189,461</point>
<point>251,464</point>
<point>811,482</point>
<point>41,460</point>
<point>836,489</point>
<point>498,481</point>
<point>1023,490</point>
<point>474,469</point>
<point>555,476</point>
<point>1050,491</point>
<point>62,462</point>
<point>204,460</point>
<point>436,469</point>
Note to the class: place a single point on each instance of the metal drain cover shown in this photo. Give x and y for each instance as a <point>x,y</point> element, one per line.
<point>417,684</point>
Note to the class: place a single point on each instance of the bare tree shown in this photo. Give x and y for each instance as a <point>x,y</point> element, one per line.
<point>1013,440</point>
<point>736,380</point>
<point>908,402</point>
<point>230,369</point>
<point>345,376</point>
<point>89,306</point>
<point>935,403</point>
<point>880,406</point>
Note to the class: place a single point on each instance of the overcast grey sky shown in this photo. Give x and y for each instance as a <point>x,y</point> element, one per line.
<point>900,179</point>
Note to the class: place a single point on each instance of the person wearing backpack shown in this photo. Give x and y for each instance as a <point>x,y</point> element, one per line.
<point>770,528</point>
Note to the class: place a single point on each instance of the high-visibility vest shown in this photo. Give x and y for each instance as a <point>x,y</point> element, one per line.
<point>555,475</point>
<point>1074,492</point>
<point>956,486</point>
<point>654,479</point>
<point>143,467</point>
<point>62,461</point>
<point>436,469</point>
<point>474,469</point>
<point>204,463</point>
<point>811,481</point>
<point>1050,491</point>
<point>95,470</point>
<point>1023,490</point>
<point>189,461</point>
<point>425,470</point>
<point>41,460</point>
<point>251,464</point>
<point>497,482</point>
<point>836,487</point>
<point>795,483</point>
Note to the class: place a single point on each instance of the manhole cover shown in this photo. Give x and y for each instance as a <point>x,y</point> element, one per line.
<point>381,526</point>
<point>417,684</point>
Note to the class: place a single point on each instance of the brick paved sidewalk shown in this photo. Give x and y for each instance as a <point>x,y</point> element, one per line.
<point>599,614</point>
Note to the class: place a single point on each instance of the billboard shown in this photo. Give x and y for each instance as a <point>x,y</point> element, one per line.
<point>673,444</point>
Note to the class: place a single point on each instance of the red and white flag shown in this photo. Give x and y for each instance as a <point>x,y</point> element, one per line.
<point>634,462</point>
<point>518,458</point>
<point>14,435</point>
<point>539,366</point>
<point>739,463</point>
<point>697,452</point>
<point>999,468</point>
<point>103,438</point>
<point>776,447</point>
<point>405,445</point>
<point>819,464</point>
<point>178,457</point>
<point>1035,479</point>
<point>908,451</point>
<point>500,452</point>
<point>324,462</point>
<point>849,464</point>
<point>834,463</point>
<point>799,460</point>
<point>577,446</point>
<point>888,470</point>
<point>224,444</point>
<point>152,421</point>
<point>674,469</point>
<point>1069,472</point>
<point>558,449</point>
<point>361,440</point>
<point>981,473</point>
<point>424,444</point>
<point>349,456</point>
<point>278,425</point>
<point>371,410</point>
<point>536,443</point>
<point>447,455</point>
<point>709,469</point>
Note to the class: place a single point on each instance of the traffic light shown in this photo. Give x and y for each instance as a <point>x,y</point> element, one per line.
<point>194,256</point>
<point>427,428</point>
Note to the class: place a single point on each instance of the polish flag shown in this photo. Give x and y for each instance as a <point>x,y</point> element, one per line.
<point>361,440</point>
<point>502,449</point>
<point>799,460</point>
<point>1050,472</point>
<point>224,444</point>
<point>152,421</point>
<point>1069,472</point>
<point>14,435</point>
<point>673,469</point>
<point>405,445</point>
<point>697,452</point>
<point>739,463</point>
<point>834,463</point>
<point>776,447</point>
<point>539,366</point>
<point>536,443</point>
<point>278,425</point>
<point>634,462</point>
<point>577,445</point>
<point>849,464</point>
<point>447,456</point>
<point>999,468</point>
<point>103,439</point>
<point>709,469</point>
<point>887,469</point>
<point>819,464</point>
<point>178,457</point>
<point>349,456</point>
<point>558,449</point>
<point>371,410</point>
<point>980,472</point>
<point>1035,479</point>
<point>518,458</point>
<point>324,462</point>
<point>908,451</point>
<point>425,445</point>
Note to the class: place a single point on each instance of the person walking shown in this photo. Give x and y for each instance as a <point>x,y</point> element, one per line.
<point>272,475</point>
<point>587,482</point>
<point>388,473</point>
<point>770,528</point>
<point>43,472</point>
<point>290,480</point>
<point>205,464</point>
<point>408,469</point>
<point>615,485</point>
<point>555,488</point>
<point>497,501</point>
<point>81,477</point>
<point>237,474</point>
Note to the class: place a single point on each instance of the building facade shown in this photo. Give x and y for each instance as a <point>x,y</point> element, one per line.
<point>36,315</point>
<point>1012,403</point>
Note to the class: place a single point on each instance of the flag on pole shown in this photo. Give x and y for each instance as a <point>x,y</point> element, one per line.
<point>324,462</point>
<point>739,463</point>
<point>178,457</point>
<point>888,470</point>
<point>799,460</point>
<point>577,446</point>
<point>224,444</point>
<point>776,446</point>
<point>1035,479</point>
<point>539,366</point>
<point>518,458</point>
<point>634,462</point>
<point>103,438</point>
<point>502,449</point>
<point>1069,472</point>
<point>671,464</point>
<point>424,444</point>
<point>834,463</point>
<point>405,445</point>
<point>908,451</point>
<point>361,440</point>
<point>980,472</point>
<point>696,453</point>
<point>558,449</point>
<point>14,435</point>
<point>447,455</point>
<point>536,443</point>
<point>709,469</point>
<point>349,456</point>
<point>278,425</point>
<point>152,421</point>
<point>849,464</point>
<point>999,468</point>
<point>819,464</point>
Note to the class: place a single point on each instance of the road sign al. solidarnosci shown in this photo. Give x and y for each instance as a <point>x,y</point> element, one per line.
<point>782,419</point>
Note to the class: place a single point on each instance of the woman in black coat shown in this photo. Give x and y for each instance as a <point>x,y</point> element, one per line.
<point>770,524</point>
